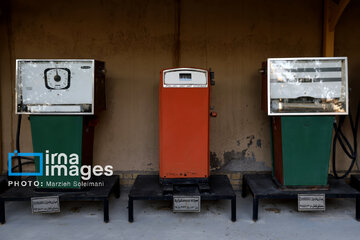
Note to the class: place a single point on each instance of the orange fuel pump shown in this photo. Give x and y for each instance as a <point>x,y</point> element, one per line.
<point>184,112</point>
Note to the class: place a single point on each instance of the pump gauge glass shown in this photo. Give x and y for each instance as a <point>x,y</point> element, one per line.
<point>57,78</point>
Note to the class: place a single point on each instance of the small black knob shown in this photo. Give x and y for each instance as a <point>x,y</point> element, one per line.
<point>57,78</point>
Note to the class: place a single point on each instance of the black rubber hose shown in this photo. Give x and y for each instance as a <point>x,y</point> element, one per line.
<point>22,164</point>
<point>350,151</point>
<point>341,138</point>
<point>23,157</point>
<point>18,141</point>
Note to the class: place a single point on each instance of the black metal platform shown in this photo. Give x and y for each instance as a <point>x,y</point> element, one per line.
<point>355,181</point>
<point>3,183</point>
<point>111,185</point>
<point>148,187</point>
<point>262,186</point>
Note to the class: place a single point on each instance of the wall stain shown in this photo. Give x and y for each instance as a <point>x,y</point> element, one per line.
<point>250,138</point>
<point>258,143</point>
<point>215,162</point>
<point>243,160</point>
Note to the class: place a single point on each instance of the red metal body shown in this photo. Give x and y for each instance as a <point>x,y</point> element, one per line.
<point>184,131</point>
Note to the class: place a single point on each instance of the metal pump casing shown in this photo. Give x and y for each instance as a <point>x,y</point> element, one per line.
<point>184,103</point>
<point>61,96</point>
<point>60,86</point>
<point>307,86</point>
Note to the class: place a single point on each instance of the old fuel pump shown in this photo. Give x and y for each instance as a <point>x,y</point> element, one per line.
<point>184,112</point>
<point>303,96</point>
<point>184,164</point>
<point>61,98</point>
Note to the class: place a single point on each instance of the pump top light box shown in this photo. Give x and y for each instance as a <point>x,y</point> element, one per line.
<point>60,86</point>
<point>307,86</point>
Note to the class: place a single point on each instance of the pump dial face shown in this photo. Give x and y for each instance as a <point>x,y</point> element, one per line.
<point>57,78</point>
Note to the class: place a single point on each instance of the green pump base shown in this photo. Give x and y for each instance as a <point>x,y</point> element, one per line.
<point>301,150</point>
<point>61,139</point>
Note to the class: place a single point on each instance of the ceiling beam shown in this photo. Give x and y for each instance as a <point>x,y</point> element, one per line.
<point>332,14</point>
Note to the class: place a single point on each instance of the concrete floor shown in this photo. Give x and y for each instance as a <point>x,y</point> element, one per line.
<point>155,220</point>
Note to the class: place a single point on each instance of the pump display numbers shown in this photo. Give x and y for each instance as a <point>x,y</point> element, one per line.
<point>57,78</point>
<point>185,76</point>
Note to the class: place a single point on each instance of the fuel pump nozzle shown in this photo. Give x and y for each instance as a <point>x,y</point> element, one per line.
<point>212,83</point>
<point>212,77</point>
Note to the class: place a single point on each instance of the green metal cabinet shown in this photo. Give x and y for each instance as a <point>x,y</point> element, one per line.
<point>61,134</point>
<point>301,149</point>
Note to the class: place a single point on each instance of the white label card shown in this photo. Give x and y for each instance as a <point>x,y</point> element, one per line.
<point>311,202</point>
<point>186,203</point>
<point>49,204</point>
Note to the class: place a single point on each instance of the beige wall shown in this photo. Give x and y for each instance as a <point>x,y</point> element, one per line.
<point>6,79</point>
<point>137,39</point>
<point>347,44</point>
